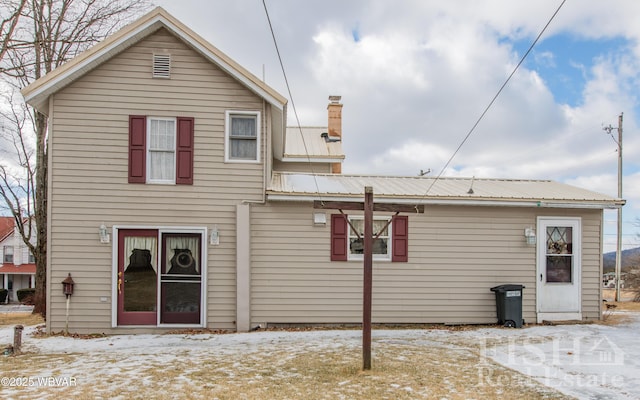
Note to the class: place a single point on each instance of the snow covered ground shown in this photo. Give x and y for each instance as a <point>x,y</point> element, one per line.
<point>585,361</point>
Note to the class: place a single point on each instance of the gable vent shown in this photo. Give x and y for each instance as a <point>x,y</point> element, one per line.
<point>161,66</point>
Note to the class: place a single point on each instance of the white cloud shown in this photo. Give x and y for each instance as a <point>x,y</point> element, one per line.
<point>374,59</point>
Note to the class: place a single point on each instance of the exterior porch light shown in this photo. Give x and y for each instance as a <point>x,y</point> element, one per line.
<point>530,235</point>
<point>214,237</point>
<point>67,286</point>
<point>67,290</point>
<point>104,234</point>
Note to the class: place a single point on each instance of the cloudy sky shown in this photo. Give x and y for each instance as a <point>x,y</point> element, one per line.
<point>415,76</point>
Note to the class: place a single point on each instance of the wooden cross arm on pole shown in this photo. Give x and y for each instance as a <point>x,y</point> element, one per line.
<point>368,207</point>
<point>352,205</point>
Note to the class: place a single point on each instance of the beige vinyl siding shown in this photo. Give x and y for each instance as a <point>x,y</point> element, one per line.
<point>89,163</point>
<point>456,254</point>
<point>592,259</point>
<point>303,166</point>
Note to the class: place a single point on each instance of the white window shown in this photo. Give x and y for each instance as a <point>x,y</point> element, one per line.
<point>8,254</point>
<point>381,234</point>
<point>242,136</point>
<point>32,258</point>
<point>161,152</point>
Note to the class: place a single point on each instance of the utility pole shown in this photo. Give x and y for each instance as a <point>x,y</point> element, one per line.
<point>368,207</point>
<point>619,243</point>
<point>367,284</point>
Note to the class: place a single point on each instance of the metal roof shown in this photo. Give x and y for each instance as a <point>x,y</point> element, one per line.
<point>306,142</point>
<point>428,190</point>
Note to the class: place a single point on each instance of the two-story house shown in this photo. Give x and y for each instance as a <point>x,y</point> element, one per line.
<point>178,197</point>
<point>17,265</point>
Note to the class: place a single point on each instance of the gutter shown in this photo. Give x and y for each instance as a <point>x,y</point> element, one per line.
<point>596,205</point>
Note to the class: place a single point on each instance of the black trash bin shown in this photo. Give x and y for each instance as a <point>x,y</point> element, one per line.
<point>509,305</point>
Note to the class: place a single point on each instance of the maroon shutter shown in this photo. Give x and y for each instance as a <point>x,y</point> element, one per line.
<point>184,151</point>
<point>400,233</point>
<point>339,233</point>
<point>137,148</point>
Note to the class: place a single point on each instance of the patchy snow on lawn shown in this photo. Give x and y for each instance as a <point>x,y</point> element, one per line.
<point>586,361</point>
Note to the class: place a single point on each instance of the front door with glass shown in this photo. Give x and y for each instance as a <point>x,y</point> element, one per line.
<point>137,279</point>
<point>159,277</point>
<point>559,268</point>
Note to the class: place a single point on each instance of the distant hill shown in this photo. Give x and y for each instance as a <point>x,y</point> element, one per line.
<point>630,258</point>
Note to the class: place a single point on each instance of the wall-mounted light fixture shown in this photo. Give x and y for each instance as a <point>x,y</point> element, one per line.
<point>104,234</point>
<point>67,285</point>
<point>214,237</point>
<point>67,290</point>
<point>530,235</point>
<point>319,218</point>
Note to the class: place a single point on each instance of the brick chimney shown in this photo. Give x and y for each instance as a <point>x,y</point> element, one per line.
<point>334,111</point>
<point>335,116</point>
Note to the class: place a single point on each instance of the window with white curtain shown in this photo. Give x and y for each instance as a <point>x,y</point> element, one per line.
<point>242,136</point>
<point>161,152</point>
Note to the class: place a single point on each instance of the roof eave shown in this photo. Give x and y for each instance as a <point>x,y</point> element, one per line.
<point>37,94</point>
<point>492,202</point>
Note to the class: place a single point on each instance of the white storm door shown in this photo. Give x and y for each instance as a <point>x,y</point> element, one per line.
<point>559,268</point>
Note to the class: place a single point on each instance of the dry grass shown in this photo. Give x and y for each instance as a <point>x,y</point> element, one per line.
<point>402,369</point>
<point>20,318</point>
<point>625,295</point>
<point>614,312</point>
<point>627,306</point>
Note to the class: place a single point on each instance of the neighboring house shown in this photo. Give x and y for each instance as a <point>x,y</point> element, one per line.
<point>17,266</point>
<point>178,198</point>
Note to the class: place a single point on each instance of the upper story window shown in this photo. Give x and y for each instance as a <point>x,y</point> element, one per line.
<point>32,258</point>
<point>8,254</point>
<point>161,149</point>
<point>242,136</point>
<point>161,157</point>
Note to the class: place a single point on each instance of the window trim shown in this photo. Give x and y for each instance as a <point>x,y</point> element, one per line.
<point>389,236</point>
<point>398,235</point>
<point>229,114</point>
<point>184,150</point>
<point>5,254</point>
<point>149,150</point>
<point>160,231</point>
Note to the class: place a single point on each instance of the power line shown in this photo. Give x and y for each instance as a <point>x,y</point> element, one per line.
<point>473,128</point>
<point>293,104</point>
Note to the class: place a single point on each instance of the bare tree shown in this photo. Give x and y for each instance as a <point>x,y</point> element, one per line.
<point>10,13</point>
<point>39,36</point>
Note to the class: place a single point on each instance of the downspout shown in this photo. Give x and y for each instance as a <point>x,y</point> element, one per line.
<point>49,143</point>
<point>267,145</point>
<point>243,239</point>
